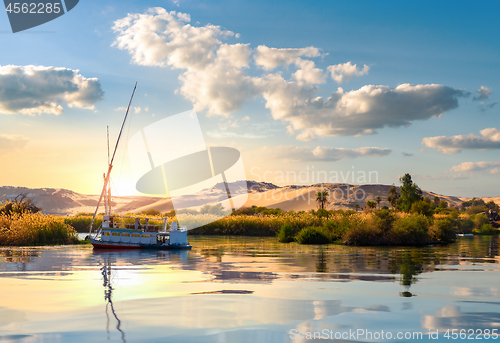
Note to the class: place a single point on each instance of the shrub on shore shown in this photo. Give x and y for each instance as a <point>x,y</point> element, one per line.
<point>285,235</point>
<point>441,230</point>
<point>486,229</point>
<point>411,230</point>
<point>312,235</point>
<point>381,227</point>
<point>35,229</point>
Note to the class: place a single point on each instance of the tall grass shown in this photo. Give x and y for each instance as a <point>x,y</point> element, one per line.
<point>382,227</point>
<point>82,223</point>
<point>35,229</point>
<point>258,225</point>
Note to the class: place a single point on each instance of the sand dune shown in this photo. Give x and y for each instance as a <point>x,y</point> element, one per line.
<point>297,198</point>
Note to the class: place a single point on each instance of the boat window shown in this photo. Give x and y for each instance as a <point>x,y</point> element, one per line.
<point>125,234</point>
<point>116,234</point>
<point>147,236</point>
<point>106,233</point>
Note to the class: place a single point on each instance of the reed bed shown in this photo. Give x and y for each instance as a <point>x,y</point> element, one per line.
<point>21,229</point>
<point>258,225</point>
<point>383,227</point>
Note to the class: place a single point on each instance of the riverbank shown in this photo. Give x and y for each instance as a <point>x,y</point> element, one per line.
<point>28,229</point>
<point>377,228</point>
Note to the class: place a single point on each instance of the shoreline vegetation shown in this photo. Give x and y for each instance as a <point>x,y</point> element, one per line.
<point>412,221</point>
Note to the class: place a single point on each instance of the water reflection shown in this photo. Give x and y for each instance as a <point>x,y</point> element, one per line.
<point>245,289</point>
<point>321,266</point>
<point>108,297</point>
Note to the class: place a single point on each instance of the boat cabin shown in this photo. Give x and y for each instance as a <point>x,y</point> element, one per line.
<point>144,231</point>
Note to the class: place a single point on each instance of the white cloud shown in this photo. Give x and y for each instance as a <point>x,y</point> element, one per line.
<point>308,74</point>
<point>213,78</point>
<point>407,154</point>
<point>358,112</point>
<point>245,118</point>
<point>346,71</point>
<point>320,153</point>
<point>305,136</point>
<point>220,88</point>
<point>483,93</point>
<point>271,58</point>
<point>136,109</point>
<point>216,77</point>
<point>470,167</point>
<point>34,90</point>
<point>489,139</point>
<point>159,38</point>
<point>12,142</point>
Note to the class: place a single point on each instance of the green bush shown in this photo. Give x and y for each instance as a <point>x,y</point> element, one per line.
<point>480,220</point>
<point>410,230</point>
<point>486,229</point>
<point>384,220</point>
<point>285,234</point>
<point>422,207</point>
<point>442,231</point>
<point>465,225</point>
<point>477,209</point>
<point>312,235</point>
<point>363,235</point>
<point>322,213</point>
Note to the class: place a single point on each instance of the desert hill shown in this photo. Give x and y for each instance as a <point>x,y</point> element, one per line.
<point>292,197</point>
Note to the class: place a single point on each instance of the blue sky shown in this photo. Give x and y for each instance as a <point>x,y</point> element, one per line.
<point>450,44</point>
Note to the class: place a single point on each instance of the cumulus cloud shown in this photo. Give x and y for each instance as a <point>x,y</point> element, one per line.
<point>216,77</point>
<point>271,58</point>
<point>346,71</point>
<point>34,90</point>
<point>159,38</point>
<point>470,167</point>
<point>358,112</point>
<point>488,140</point>
<point>213,78</point>
<point>12,142</point>
<point>483,93</point>
<point>321,153</point>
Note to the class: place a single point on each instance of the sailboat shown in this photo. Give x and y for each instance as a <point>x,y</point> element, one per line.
<point>126,232</point>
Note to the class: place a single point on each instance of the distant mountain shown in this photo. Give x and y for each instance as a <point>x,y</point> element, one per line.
<point>292,197</point>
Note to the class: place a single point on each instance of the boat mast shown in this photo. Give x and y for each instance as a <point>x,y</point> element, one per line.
<point>105,188</point>
<point>108,197</point>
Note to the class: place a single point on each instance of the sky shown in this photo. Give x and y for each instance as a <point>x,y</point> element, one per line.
<point>301,89</point>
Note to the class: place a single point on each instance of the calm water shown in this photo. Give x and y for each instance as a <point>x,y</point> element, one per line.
<point>243,289</point>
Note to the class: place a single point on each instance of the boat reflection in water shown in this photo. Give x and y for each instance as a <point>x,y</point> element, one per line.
<point>108,297</point>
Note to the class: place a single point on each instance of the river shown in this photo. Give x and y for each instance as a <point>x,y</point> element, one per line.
<point>251,289</point>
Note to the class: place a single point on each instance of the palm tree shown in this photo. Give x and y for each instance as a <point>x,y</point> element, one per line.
<point>356,206</point>
<point>371,204</point>
<point>378,200</point>
<point>322,198</point>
